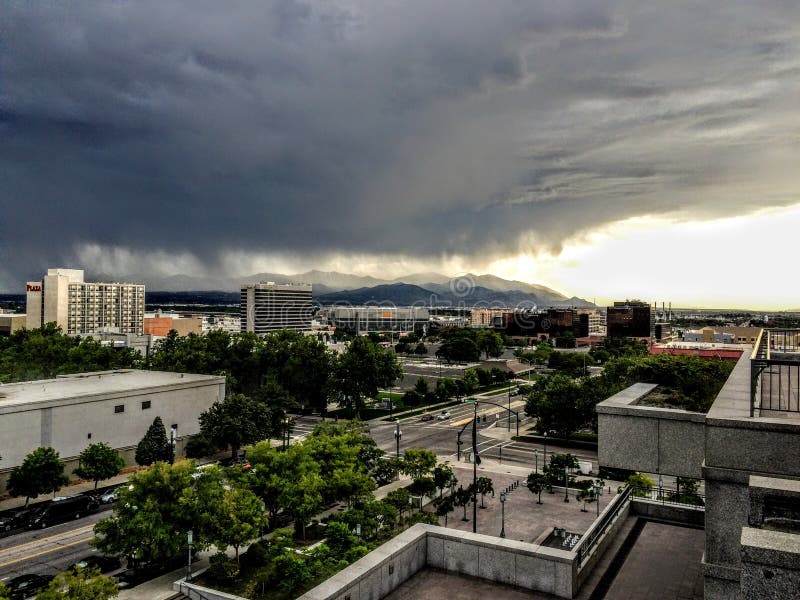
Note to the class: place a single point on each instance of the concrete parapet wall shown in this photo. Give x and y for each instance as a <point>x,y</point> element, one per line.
<point>378,573</point>
<point>647,438</point>
<point>520,564</point>
<point>694,517</point>
<point>770,564</point>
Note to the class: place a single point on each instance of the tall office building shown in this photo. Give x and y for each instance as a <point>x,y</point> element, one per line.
<point>79,307</point>
<point>267,306</point>
<point>631,318</point>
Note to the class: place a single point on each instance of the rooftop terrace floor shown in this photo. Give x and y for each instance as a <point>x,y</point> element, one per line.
<point>431,584</point>
<point>663,564</point>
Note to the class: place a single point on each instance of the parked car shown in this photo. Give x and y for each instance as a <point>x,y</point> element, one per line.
<point>62,509</point>
<point>27,586</point>
<point>443,416</point>
<point>426,418</point>
<point>104,563</point>
<point>110,496</point>
<point>15,519</point>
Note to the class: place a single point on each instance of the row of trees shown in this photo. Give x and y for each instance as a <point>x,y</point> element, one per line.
<point>42,471</point>
<point>44,353</point>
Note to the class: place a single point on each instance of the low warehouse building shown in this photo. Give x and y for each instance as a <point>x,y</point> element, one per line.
<point>116,407</point>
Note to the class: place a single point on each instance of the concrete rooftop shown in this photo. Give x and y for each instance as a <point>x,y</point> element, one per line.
<point>84,385</point>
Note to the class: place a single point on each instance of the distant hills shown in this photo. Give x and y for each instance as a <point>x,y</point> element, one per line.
<point>331,287</point>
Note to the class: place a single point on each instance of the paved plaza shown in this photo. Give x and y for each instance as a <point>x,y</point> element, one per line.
<point>525,520</point>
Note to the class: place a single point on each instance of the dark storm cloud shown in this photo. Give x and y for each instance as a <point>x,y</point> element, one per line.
<point>373,127</point>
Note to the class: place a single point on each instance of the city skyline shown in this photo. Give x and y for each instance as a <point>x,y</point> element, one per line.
<point>606,150</point>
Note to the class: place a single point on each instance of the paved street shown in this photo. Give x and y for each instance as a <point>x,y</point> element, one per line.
<point>47,551</point>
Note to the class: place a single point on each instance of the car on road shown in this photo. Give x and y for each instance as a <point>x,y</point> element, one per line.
<point>104,563</point>
<point>110,496</point>
<point>62,509</point>
<point>426,418</point>
<point>15,519</point>
<point>27,586</point>
<point>443,416</point>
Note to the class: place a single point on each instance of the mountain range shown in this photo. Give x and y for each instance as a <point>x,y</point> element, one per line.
<point>333,287</point>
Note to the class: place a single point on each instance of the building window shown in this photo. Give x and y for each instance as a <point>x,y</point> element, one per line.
<point>89,436</point>
<point>145,404</point>
<point>119,408</point>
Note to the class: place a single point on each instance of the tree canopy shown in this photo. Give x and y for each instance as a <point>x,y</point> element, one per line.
<point>154,446</point>
<point>42,472</point>
<point>98,462</point>
<point>362,370</point>
<point>80,584</point>
<point>235,422</point>
<point>43,353</point>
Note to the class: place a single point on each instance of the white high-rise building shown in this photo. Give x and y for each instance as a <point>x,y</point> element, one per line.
<point>80,308</point>
<point>266,307</point>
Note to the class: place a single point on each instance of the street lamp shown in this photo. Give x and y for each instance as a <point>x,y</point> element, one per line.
<point>536,458</point>
<point>397,435</point>
<point>503,514</point>
<point>544,462</point>
<point>172,435</point>
<point>189,538</point>
<point>508,429</point>
<point>598,491</point>
<point>566,484</point>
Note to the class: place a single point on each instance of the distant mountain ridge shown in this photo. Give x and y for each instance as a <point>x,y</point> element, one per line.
<point>332,287</point>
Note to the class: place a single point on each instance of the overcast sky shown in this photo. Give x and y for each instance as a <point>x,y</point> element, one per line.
<point>604,148</point>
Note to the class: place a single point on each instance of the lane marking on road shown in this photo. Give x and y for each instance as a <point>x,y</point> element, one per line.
<point>43,552</point>
<point>49,537</point>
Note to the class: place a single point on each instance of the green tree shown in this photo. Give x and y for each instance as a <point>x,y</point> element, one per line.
<point>98,462</point>
<point>4,593</point>
<point>463,497</point>
<point>235,422</point>
<point>80,584</point>
<point>556,405</point>
<point>399,500</point>
<point>154,446</point>
<point>536,483</point>
<point>444,505</point>
<point>471,380</point>
<point>641,484</point>
<point>199,446</point>
<point>443,477</point>
<point>446,388</point>
<point>42,472</point>
<point>362,370</point>
<point>421,386</point>
<point>484,486</point>
<point>157,508</point>
<point>459,346</point>
<point>558,465</point>
<point>420,349</point>
<point>236,520</point>
<point>303,498</point>
<point>418,463</point>
<point>490,343</point>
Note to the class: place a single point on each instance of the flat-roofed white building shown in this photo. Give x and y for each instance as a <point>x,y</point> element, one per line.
<point>116,407</point>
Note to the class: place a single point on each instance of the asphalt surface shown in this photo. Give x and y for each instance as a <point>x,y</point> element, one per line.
<point>48,551</point>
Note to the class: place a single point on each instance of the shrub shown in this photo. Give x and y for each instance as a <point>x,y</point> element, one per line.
<point>256,555</point>
<point>222,569</point>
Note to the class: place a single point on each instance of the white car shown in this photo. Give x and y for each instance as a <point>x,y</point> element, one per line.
<point>110,496</point>
<point>443,416</point>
